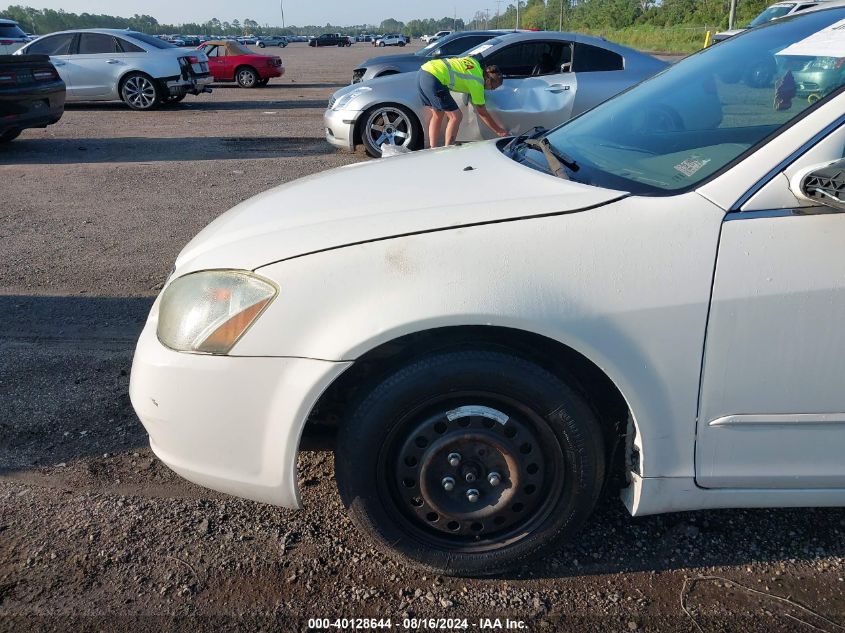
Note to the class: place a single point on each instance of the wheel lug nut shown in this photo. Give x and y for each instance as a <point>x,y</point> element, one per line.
<point>472,495</point>
<point>454,459</point>
<point>494,479</point>
<point>448,484</point>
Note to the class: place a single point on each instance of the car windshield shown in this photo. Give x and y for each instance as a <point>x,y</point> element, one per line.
<point>680,127</point>
<point>149,39</point>
<point>423,52</point>
<point>775,11</point>
<point>11,30</point>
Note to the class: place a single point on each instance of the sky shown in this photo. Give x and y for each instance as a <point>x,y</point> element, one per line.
<point>297,12</point>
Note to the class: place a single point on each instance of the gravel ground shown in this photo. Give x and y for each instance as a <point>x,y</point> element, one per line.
<point>96,534</point>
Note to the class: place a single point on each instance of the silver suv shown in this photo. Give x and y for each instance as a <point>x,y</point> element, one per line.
<point>110,65</point>
<point>11,37</point>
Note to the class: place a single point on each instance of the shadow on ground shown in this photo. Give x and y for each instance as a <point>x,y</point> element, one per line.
<point>47,151</point>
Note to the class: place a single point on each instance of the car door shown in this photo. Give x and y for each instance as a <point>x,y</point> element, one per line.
<point>600,74</point>
<point>772,397</point>
<point>59,48</point>
<point>217,61</point>
<point>536,90</point>
<point>97,66</point>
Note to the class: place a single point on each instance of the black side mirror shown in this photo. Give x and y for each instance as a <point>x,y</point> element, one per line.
<point>823,184</point>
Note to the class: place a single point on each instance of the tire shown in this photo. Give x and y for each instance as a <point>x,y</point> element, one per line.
<point>400,127</point>
<point>10,135</point>
<point>401,44</point>
<point>261,45</point>
<point>462,413</point>
<point>381,44</point>
<point>246,77</point>
<point>140,91</point>
<point>262,82</point>
<point>174,99</point>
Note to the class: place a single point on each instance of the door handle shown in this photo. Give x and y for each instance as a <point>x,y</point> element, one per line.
<point>57,63</point>
<point>557,88</point>
<point>113,61</point>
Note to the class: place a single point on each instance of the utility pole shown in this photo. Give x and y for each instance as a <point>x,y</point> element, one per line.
<point>560,21</point>
<point>517,15</point>
<point>282,8</point>
<point>498,11</point>
<point>487,20</point>
<point>732,15</point>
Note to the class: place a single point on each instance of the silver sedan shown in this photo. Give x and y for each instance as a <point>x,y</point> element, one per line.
<point>549,78</point>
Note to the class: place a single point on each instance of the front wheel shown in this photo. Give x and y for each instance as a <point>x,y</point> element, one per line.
<point>389,125</point>
<point>381,43</point>
<point>261,44</point>
<point>9,135</point>
<point>140,92</point>
<point>470,463</point>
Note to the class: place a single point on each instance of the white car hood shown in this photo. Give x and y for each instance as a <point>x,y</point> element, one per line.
<point>431,190</point>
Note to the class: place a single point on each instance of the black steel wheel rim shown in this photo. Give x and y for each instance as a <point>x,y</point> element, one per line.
<point>471,471</point>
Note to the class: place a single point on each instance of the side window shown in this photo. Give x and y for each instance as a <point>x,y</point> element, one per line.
<point>461,45</point>
<point>593,58</point>
<point>53,45</point>
<point>212,51</point>
<point>96,43</point>
<point>531,59</point>
<point>129,47</point>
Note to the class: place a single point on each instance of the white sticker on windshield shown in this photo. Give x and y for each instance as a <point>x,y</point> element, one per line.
<point>829,42</point>
<point>691,165</point>
<point>478,50</point>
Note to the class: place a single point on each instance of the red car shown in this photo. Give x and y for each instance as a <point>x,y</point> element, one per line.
<point>230,61</point>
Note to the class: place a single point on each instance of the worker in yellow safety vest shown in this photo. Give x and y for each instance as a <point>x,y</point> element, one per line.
<point>458,74</point>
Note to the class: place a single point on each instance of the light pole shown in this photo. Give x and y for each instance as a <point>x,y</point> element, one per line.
<point>517,15</point>
<point>560,21</point>
<point>282,9</point>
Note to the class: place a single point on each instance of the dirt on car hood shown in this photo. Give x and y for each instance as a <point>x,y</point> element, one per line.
<point>425,191</point>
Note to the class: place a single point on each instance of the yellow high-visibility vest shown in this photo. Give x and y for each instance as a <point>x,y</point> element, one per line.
<point>460,74</point>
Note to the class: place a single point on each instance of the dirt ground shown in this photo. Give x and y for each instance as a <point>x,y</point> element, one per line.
<point>96,534</point>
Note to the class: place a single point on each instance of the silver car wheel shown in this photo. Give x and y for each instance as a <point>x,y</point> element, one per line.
<point>139,92</point>
<point>247,78</point>
<point>388,125</point>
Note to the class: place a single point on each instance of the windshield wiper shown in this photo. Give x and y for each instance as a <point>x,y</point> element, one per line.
<point>516,141</point>
<point>556,159</point>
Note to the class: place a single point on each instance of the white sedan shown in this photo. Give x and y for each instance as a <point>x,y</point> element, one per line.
<point>654,289</point>
<point>390,40</point>
<point>141,70</point>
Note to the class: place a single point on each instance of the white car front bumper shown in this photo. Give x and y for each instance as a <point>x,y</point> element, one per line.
<point>340,128</point>
<point>229,423</point>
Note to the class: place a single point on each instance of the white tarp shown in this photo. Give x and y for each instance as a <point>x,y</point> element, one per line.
<point>829,42</point>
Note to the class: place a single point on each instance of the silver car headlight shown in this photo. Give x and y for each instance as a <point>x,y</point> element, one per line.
<point>346,99</point>
<point>209,311</point>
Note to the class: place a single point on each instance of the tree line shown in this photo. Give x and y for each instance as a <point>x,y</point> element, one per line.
<point>571,15</point>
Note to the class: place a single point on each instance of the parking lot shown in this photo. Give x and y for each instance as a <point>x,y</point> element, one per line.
<point>97,534</point>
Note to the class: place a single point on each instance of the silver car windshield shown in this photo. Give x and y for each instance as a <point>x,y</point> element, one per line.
<point>675,130</point>
<point>775,11</point>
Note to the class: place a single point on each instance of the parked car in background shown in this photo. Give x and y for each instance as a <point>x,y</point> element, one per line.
<point>393,39</point>
<point>248,40</point>
<point>109,65</point>
<point>12,37</point>
<point>772,12</point>
<point>272,40</point>
<point>649,294</point>
<point>330,39</point>
<point>430,38</point>
<point>191,41</point>
<point>32,95</point>
<point>549,77</point>
<point>231,61</point>
<point>449,46</point>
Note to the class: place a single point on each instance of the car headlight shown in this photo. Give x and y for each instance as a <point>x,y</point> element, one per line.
<point>209,311</point>
<point>346,99</point>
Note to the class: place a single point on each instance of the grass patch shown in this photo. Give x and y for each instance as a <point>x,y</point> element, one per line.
<point>655,39</point>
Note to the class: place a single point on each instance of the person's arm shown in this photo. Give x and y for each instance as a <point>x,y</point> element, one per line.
<point>488,119</point>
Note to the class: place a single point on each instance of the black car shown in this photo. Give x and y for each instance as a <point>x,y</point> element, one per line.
<point>330,39</point>
<point>31,94</point>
